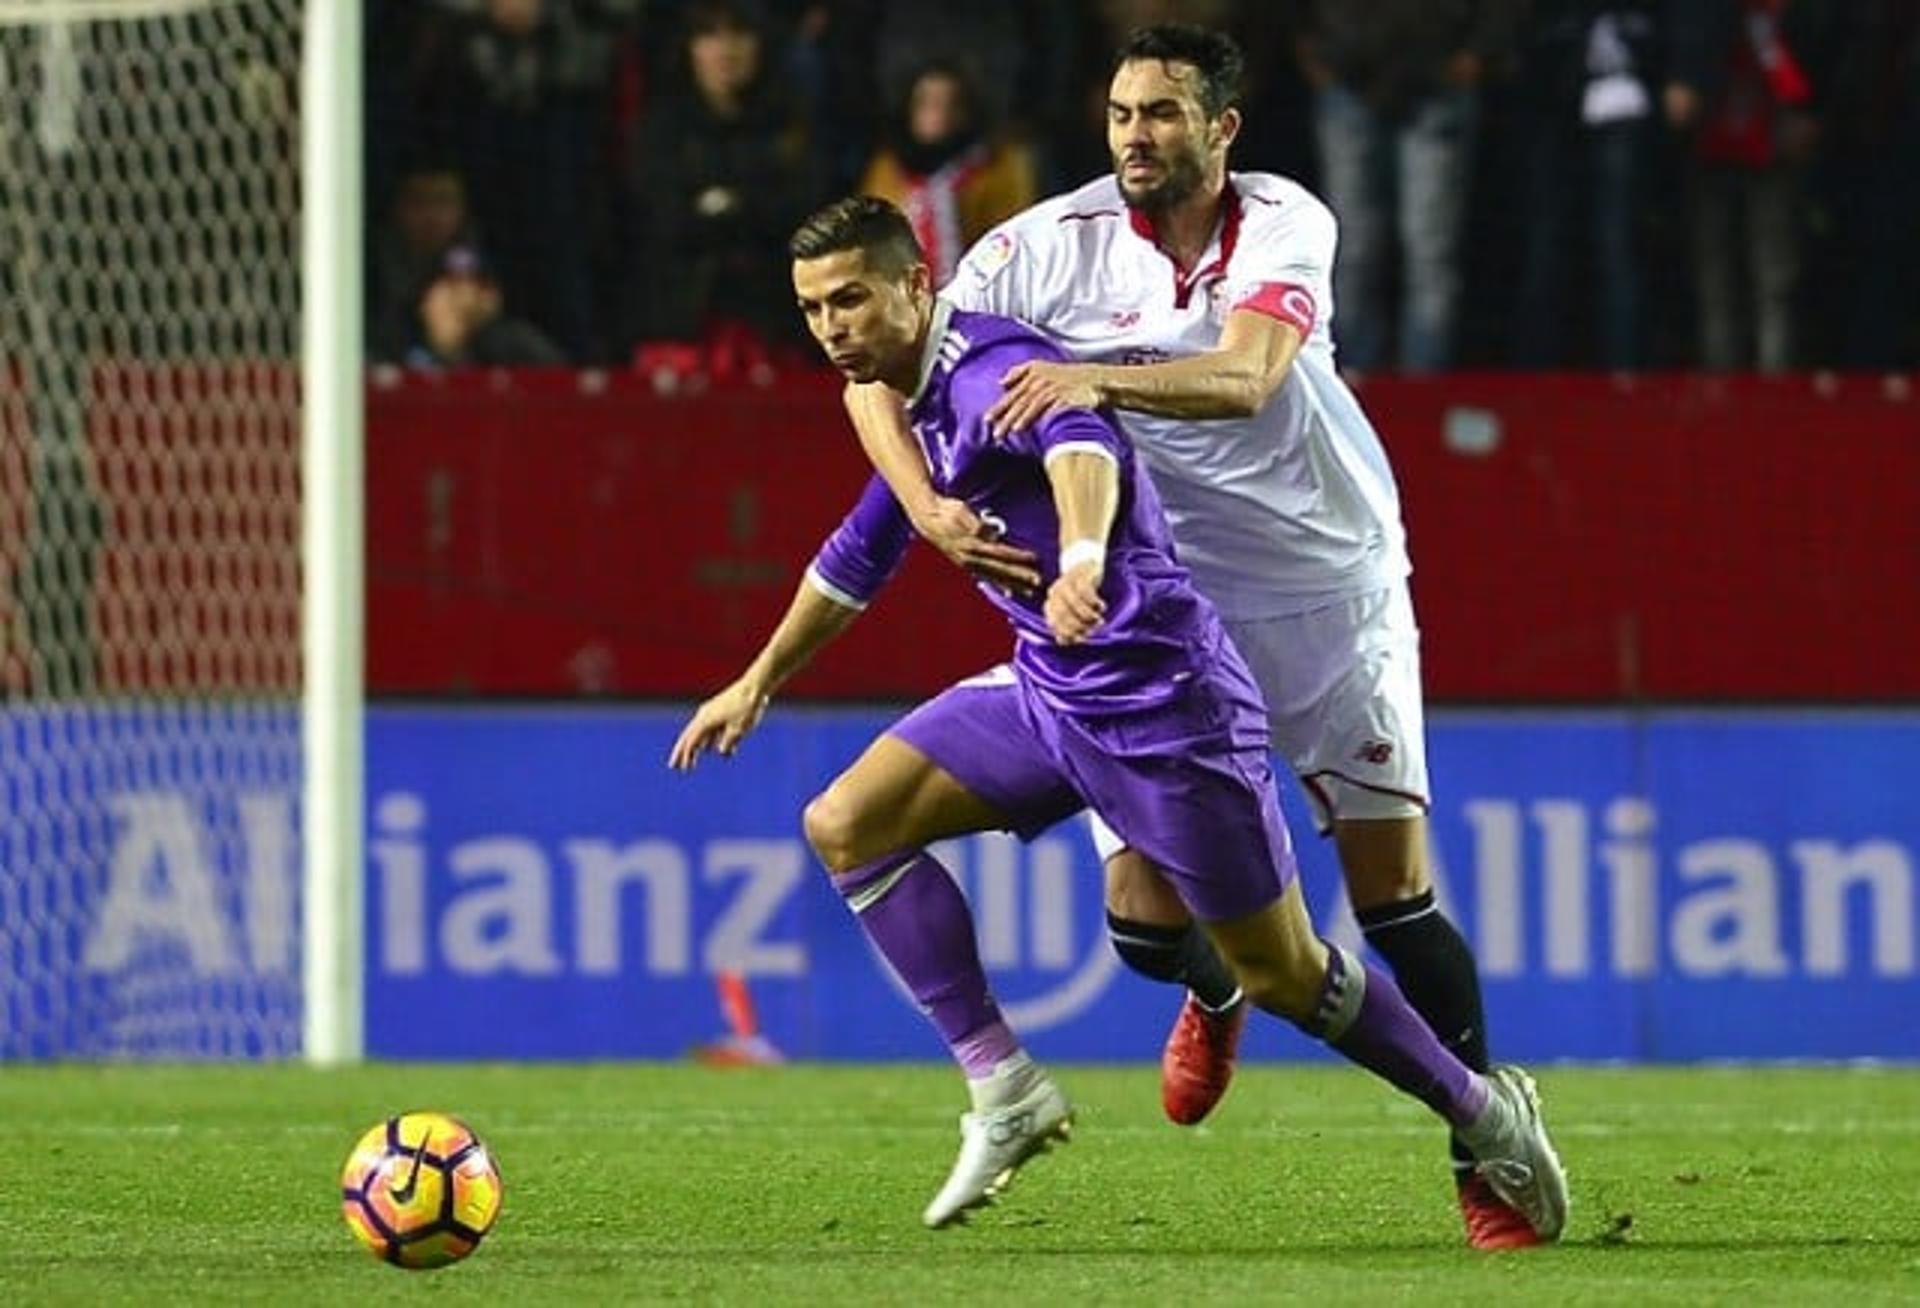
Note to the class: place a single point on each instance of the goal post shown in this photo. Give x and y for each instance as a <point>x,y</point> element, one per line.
<point>334,603</point>
<point>180,529</point>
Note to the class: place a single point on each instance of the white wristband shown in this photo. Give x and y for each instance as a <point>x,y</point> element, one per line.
<point>1082,551</point>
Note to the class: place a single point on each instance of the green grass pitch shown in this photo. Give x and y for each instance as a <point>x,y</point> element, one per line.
<point>641,1183</point>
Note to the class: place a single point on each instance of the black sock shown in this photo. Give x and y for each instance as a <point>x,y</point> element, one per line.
<point>1181,955</point>
<point>1435,969</point>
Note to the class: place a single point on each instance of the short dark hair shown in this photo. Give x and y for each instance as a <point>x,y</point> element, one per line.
<point>1214,55</point>
<point>860,222</point>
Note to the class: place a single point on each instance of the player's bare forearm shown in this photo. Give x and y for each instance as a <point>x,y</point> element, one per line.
<point>810,622</point>
<point>1086,495</point>
<point>1202,387</point>
<point>1234,380</point>
<point>880,420</point>
<point>724,720</point>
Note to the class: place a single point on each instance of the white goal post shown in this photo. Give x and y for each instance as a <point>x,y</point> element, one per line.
<point>181,591</point>
<point>332,466</point>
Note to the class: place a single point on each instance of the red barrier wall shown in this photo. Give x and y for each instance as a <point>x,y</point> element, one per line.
<point>156,547</point>
<point>1575,538</point>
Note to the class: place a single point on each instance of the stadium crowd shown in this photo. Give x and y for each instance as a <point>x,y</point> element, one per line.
<point>1717,184</point>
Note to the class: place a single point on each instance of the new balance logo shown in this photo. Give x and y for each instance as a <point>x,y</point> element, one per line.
<point>1377,752</point>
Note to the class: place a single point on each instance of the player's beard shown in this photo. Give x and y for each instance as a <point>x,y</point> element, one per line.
<point>1177,184</point>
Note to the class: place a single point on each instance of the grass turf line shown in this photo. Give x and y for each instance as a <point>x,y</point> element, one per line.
<point>630,1183</point>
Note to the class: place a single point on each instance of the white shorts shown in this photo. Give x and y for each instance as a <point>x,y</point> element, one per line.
<point>1342,685</point>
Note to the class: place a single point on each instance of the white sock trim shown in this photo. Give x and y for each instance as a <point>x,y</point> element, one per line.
<point>1341,1008</point>
<point>1233,999</point>
<point>1403,919</point>
<point>874,891</point>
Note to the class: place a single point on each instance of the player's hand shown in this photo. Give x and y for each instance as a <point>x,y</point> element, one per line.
<point>1074,608</point>
<point>1034,391</point>
<point>720,724</point>
<point>974,544</point>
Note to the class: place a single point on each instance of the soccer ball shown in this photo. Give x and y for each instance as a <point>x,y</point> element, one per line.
<point>420,1190</point>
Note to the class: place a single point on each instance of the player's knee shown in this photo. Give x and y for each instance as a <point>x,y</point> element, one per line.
<point>832,827</point>
<point>1278,991</point>
<point>1383,861</point>
<point>1281,982</point>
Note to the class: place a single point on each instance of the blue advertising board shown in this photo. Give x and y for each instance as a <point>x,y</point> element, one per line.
<point>149,880</point>
<point>1669,886</point>
<point>1680,886</point>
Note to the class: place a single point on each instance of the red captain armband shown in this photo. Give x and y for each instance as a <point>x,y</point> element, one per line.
<point>1284,302</point>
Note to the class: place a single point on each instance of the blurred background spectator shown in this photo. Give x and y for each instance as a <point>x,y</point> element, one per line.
<point>1587,88</point>
<point>725,169</point>
<point>1504,172</point>
<point>459,320</point>
<point>1397,100</point>
<point>1744,91</point>
<point>520,91</point>
<point>427,218</point>
<point>949,173</point>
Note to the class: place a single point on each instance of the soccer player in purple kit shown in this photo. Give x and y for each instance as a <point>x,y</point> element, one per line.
<point>1123,693</point>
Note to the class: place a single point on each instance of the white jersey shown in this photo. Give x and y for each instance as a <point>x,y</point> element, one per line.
<point>1275,514</point>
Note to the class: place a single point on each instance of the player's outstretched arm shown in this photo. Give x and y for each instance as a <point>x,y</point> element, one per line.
<point>1086,495</point>
<point>1233,380</point>
<point>946,524</point>
<point>724,721</point>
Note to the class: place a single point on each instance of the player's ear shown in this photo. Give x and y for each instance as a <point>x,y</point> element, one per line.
<point>1227,126</point>
<point>920,279</point>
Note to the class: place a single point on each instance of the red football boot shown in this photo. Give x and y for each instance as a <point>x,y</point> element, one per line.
<point>1197,1063</point>
<point>1491,1222</point>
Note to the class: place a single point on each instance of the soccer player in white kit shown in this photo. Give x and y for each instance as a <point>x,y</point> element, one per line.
<point>1198,304</point>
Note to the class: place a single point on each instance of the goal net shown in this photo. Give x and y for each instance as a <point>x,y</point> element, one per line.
<point>150,528</point>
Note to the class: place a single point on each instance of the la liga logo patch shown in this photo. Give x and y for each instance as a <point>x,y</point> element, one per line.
<point>994,254</point>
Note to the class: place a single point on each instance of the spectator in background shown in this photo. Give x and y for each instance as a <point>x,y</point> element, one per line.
<point>725,171</point>
<point>1587,95</point>
<point>428,218</point>
<point>1743,92</point>
<point>523,90</point>
<point>986,36</point>
<point>460,321</point>
<point>942,167</point>
<point>1024,59</point>
<point>1397,105</point>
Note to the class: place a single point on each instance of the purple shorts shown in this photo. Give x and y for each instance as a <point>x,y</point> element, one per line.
<point>1188,783</point>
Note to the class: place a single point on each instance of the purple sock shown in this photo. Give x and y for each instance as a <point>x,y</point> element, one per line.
<point>1364,1016</point>
<point>920,923</point>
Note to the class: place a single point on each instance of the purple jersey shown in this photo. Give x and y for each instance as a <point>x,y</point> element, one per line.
<point>1159,632</point>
